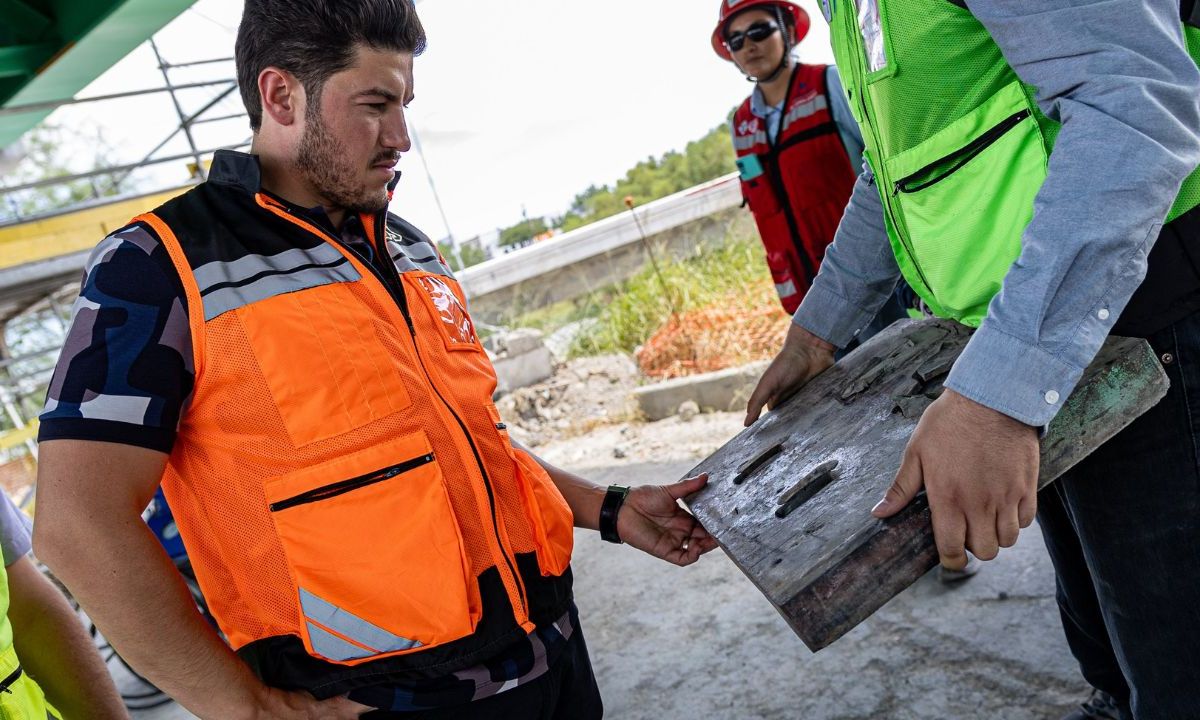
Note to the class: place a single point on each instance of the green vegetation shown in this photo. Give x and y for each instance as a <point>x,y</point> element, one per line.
<point>49,150</point>
<point>523,231</point>
<point>702,160</point>
<point>626,314</point>
<point>471,255</point>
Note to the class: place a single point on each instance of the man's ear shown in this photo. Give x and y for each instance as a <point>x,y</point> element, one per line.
<point>282,95</point>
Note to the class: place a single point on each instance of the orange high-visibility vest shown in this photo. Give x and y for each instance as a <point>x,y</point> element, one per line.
<point>798,186</point>
<point>346,491</point>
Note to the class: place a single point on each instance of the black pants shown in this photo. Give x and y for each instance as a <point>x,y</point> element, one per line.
<point>1123,531</point>
<point>567,691</point>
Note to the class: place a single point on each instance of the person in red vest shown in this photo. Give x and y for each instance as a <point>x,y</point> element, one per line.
<point>798,147</point>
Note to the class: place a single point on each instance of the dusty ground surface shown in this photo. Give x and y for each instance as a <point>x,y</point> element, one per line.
<point>583,394</point>
<point>701,642</point>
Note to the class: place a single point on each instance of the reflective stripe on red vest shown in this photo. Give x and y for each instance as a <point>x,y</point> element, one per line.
<point>805,181</point>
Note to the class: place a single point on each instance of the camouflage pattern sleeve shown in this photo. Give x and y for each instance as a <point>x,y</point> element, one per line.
<point>126,371</point>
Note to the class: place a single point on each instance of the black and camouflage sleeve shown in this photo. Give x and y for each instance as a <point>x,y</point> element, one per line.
<point>126,371</point>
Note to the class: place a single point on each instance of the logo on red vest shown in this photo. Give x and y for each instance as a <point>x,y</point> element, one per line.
<point>457,323</point>
<point>748,127</point>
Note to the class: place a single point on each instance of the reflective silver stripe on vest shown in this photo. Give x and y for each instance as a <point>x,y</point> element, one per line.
<point>351,626</point>
<point>871,26</point>
<point>803,110</point>
<point>786,289</point>
<point>745,142</point>
<point>333,647</point>
<point>226,286</point>
<point>412,254</point>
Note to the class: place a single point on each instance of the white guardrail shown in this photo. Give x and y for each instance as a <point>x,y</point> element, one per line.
<point>600,237</point>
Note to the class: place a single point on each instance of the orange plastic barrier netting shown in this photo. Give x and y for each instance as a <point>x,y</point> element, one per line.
<point>713,338</point>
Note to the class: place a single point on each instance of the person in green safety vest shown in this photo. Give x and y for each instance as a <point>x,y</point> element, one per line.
<point>1033,170</point>
<point>49,667</point>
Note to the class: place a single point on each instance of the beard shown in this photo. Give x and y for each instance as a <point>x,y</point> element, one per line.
<point>324,164</point>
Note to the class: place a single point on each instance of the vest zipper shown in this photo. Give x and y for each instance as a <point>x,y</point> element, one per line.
<point>959,158</point>
<point>7,682</point>
<point>775,176</point>
<point>401,301</point>
<point>342,487</point>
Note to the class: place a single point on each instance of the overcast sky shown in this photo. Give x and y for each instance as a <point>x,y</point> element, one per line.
<point>519,103</point>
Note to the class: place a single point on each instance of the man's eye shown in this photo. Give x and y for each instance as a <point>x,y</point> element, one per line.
<point>377,106</point>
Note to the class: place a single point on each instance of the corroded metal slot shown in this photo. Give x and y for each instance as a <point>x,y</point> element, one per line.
<point>756,462</point>
<point>812,483</point>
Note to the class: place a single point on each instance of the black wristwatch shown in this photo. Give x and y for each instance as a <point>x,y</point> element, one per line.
<point>613,500</point>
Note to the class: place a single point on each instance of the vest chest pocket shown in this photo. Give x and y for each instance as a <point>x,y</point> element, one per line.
<point>448,310</point>
<point>375,551</point>
<point>327,370</point>
<point>964,197</point>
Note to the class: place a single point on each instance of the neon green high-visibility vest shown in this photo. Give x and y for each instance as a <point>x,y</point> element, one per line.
<point>957,143</point>
<point>21,698</point>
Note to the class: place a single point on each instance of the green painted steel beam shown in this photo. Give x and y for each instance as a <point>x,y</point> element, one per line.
<point>24,60</point>
<point>22,23</point>
<point>83,39</point>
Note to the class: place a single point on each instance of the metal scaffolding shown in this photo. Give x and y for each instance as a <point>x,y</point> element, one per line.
<point>44,304</point>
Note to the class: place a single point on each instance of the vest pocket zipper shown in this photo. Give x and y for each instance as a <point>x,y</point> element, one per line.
<point>7,683</point>
<point>944,167</point>
<point>344,486</point>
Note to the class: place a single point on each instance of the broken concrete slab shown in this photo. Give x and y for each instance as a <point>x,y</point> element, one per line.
<point>522,370</point>
<point>721,391</point>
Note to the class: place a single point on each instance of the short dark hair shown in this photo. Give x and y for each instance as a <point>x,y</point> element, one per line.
<point>314,39</point>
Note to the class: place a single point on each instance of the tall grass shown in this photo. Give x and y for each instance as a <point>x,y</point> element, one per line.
<point>626,314</point>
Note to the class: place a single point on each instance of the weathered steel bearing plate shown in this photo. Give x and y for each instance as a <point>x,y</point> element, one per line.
<point>789,499</point>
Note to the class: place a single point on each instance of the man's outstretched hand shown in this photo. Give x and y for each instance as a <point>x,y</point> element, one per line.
<point>653,521</point>
<point>803,357</point>
<point>979,469</point>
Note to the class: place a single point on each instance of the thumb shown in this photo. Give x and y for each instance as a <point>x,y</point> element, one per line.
<point>763,392</point>
<point>905,487</point>
<point>683,488</point>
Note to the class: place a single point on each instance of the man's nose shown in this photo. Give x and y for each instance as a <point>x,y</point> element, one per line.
<point>395,133</point>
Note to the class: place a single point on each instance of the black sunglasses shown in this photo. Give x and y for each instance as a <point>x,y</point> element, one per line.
<point>757,32</point>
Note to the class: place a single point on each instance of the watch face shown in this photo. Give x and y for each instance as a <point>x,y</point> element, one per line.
<point>827,10</point>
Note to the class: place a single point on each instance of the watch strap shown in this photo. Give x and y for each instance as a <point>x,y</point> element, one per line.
<point>609,509</point>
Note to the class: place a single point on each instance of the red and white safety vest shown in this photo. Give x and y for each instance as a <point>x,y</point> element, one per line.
<point>797,186</point>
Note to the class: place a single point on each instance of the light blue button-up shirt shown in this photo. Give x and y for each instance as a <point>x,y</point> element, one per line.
<point>1118,78</point>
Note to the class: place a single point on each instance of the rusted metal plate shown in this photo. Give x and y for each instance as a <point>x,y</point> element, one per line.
<point>790,498</point>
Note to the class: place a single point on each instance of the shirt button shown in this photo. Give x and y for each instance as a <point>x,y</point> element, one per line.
<point>1103,314</point>
<point>1052,397</point>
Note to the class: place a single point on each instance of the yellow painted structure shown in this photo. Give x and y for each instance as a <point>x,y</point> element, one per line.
<point>18,436</point>
<point>73,231</point>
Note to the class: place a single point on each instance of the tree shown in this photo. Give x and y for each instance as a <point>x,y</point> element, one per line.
<point>523,232</point>
<point>47,152</point>
<point>470,253</point>
<point>701,160</point>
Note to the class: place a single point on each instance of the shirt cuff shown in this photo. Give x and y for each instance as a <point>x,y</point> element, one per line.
<point>831,317</point>
<point>1010,376</point>
<point>110,431</point>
